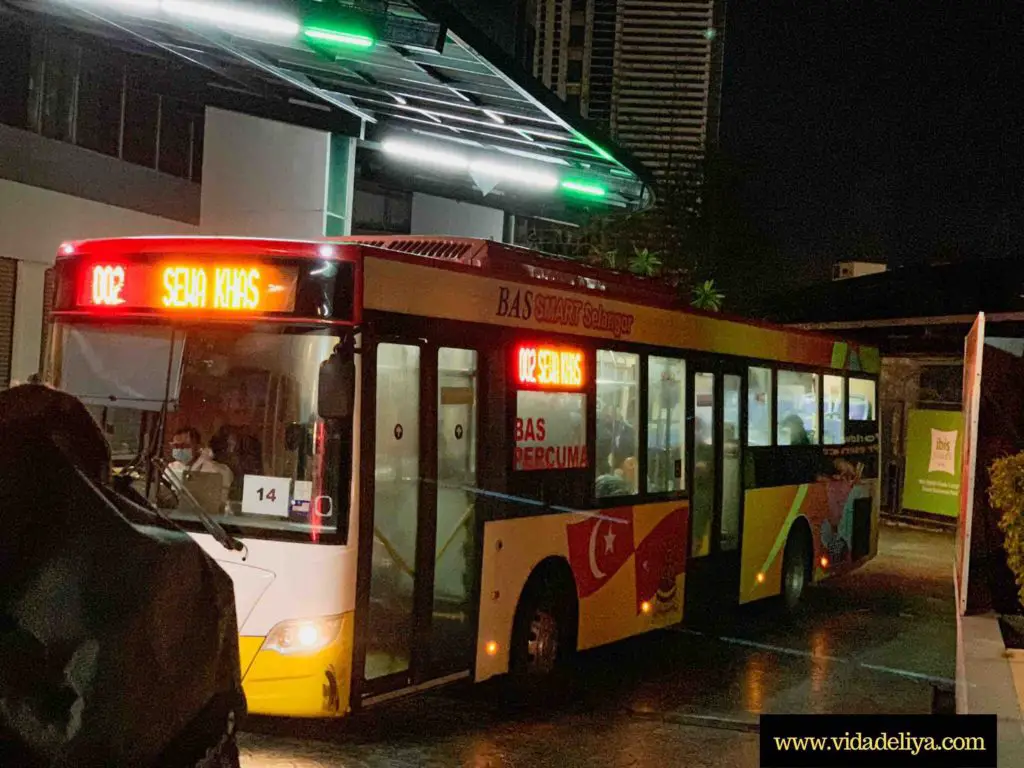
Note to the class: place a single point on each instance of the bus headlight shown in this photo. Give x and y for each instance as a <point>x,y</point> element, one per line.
<point>300,636</point>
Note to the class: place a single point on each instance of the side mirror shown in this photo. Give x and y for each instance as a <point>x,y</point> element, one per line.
<point>336,390</point>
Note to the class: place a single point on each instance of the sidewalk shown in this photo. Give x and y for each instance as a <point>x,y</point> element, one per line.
<point>990,680</point>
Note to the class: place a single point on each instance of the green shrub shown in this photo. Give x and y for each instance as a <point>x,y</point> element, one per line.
<point>1006,494</point>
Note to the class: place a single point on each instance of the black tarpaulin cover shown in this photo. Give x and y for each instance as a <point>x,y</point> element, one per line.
<point>116,630</point>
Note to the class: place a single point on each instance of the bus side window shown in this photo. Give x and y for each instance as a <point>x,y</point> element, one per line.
<point>862,400</point>
<point>835,420</point>
<point>798,398</point>
<point>759,406</point>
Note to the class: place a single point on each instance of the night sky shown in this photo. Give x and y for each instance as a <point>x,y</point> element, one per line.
<point>887,130</point>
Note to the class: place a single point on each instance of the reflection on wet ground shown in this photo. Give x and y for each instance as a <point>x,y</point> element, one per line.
<point>874,641</point>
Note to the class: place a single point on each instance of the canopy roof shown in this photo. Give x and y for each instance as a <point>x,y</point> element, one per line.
<point>395,73</point>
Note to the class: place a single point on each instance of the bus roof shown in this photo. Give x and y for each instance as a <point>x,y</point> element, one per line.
<point>486,259</point>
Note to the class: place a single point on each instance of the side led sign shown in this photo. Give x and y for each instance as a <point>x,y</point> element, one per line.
<point>546,367</point>
<point>174,286</point>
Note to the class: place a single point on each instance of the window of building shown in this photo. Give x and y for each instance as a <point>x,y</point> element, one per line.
<point>666,425</point>
<point>141,117</point>
<point>862,400</point>
<point>101,100</point>
<point>759,406</point>
<point>618,381</point>
<point>15,74</point>
<point>52,89</point>
<point>798,398</point>
<point>575,71</point>
<point>176,135</point>
<point>572,102</point>
<point>835,413</point>
<point>551,430</point>
<point>98,116</point>
<point>577,35</point>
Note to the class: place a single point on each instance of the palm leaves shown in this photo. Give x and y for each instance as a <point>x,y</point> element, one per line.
<point>706,296</point>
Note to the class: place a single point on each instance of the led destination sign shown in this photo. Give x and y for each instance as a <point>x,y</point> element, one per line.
<point>177,286</point>
<point>550,367</point>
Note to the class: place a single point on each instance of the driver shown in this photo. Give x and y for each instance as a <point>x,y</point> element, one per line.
<point>189,455</point>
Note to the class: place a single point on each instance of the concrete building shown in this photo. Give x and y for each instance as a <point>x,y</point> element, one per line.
<point>127,119</point>
<point>650,70</point>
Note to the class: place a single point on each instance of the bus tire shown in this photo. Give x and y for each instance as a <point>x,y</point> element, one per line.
<point>544,628</point>
<point>796,568</point>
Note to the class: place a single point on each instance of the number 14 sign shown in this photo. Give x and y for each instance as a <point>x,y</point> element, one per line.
<point>262,495</point>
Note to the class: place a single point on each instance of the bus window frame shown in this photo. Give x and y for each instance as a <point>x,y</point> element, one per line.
<point>679,355</point>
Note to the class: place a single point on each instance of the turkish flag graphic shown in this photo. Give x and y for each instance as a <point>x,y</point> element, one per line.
<point>599,546</point>
<point>661,557</point>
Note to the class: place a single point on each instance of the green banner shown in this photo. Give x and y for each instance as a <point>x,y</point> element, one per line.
<point>932,479</point>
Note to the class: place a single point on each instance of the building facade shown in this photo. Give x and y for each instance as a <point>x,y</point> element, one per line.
<point>649,70</point>
<point>90,146</point>
<point>120,121</point>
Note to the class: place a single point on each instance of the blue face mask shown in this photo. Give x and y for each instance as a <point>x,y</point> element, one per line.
<point>184,455</point>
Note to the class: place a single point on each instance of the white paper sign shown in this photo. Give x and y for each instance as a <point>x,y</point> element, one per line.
<point>303,490</point>
<point>942,458</point>
<point>263,495</point>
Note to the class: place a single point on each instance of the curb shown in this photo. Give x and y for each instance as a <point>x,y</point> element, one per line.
<point>917,524</point>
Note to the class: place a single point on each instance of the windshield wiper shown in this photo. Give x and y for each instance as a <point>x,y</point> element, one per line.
<point>212,527</point>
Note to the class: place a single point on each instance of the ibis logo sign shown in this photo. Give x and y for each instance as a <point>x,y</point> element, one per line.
<point>943,455</point>
<point>934,444</point>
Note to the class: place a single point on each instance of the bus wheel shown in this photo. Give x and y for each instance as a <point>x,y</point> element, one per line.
<point>544,631</point>
<point>795,568</point>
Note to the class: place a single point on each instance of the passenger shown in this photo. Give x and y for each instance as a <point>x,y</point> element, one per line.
<point>797,433</point>
<point>189,455</point>
<point>240,453</point>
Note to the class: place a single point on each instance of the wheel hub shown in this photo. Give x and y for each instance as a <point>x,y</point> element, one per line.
<point>542,645</point>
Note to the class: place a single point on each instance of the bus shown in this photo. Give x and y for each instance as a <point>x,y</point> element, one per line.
<point>431,459</point>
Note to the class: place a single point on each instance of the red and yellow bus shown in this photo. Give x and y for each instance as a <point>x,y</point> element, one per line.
<point>428,459</point>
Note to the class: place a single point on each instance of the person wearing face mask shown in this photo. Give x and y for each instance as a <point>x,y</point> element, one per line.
<point>189,455</point>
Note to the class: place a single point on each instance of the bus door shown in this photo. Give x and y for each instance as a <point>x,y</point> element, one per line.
<point>414,619</point>
<point>717,404</point>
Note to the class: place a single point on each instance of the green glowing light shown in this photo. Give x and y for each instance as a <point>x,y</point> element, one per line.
<point>601,152</point>
<point>584,188</point>
<point>340,38</point>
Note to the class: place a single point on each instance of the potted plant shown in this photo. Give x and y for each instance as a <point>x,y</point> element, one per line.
<point>1006,495</point>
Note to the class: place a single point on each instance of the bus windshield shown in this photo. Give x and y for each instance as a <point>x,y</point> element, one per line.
<point>239,434</point>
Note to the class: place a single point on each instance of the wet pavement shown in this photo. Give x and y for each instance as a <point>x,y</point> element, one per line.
<point>875,641</point>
